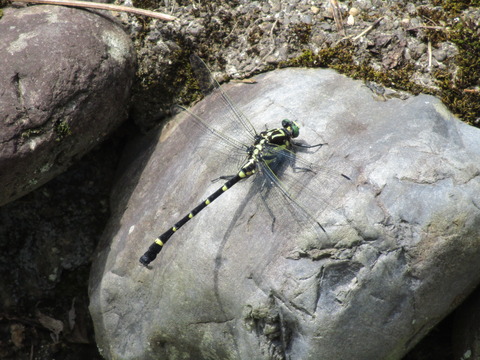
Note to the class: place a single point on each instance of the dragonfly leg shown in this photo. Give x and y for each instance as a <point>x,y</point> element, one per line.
<point>270,212</point>
<point>302,169</point>
<point>223,177</point>
<point>307,146</point>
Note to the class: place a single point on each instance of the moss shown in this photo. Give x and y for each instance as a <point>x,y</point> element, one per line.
<point>27,134</point>
<point>456,6</point>
<point>62,129</point>
<point>157,88</point>
<point>399,78</point>
<point>177,85</point>
<point>300,32</point>
<point>457,91</point>
<point>187,82</point>
<point>340,58</point>
<point>146,4</point>
<point>466,38</point>
<point>329,57</point>
<point>460,91</point>
<point>255,35</point>
<point>435,18</point>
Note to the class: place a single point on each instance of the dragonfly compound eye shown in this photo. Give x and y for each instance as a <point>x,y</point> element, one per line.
<point>292,127</point>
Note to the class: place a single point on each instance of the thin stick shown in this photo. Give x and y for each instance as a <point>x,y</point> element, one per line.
<point>368,29</point>
<point>94,5</point>
<point>429,48</point>
<point>337,16</point>
<point>427,27</point>
<point>271,35</point>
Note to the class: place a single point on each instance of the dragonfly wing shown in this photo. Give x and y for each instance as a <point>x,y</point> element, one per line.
<point>305,190</point>
<point>207,142</point>
<point>232,121</point>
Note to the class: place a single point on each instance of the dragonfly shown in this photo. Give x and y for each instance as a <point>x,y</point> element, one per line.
<point>290,187</point>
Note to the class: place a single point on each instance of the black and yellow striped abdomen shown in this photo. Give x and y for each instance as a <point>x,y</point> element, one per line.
<point>156,247</point>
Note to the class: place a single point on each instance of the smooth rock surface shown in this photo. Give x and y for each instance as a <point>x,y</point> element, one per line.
<point>400,252</point>
<point>65,78</point>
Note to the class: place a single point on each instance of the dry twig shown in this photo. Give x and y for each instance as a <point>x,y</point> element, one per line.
<point>368,29</point>
<point>429,48</point>
<point>94,5</point>
<point>426,27</point>
<point>337,16</point>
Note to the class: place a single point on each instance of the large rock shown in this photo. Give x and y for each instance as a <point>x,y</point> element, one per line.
<point>65,78</point>
<point>400,251</point>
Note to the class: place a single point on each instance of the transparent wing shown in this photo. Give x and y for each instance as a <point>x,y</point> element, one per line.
<point>297,192</point>
<point>230,154</point>
<point>232,121</point>
<point>210,131</point>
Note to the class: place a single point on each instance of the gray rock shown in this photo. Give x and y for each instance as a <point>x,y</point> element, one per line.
<point>400,251</point>
<point>65,76</point>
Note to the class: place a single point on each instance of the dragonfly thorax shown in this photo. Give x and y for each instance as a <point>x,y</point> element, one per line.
<point>278,137</point>
<point>265,142</point>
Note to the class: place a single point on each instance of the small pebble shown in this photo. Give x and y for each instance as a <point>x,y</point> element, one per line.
<point>354,11</point>
<point>350,20</point>
<point>439,55</point>
<point>405,22</point>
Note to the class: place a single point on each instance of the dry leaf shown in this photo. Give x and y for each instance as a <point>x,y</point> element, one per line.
<point>17,334</point>
<point>245,81</point>
<point>54,325</point>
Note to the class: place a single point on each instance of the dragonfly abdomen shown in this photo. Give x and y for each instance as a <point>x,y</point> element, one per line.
<point>156,247</point>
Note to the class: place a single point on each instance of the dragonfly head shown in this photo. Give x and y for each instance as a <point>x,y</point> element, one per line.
<point>292,127</point>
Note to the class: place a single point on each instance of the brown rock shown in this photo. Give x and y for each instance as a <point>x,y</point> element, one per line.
<point>65,76</point>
